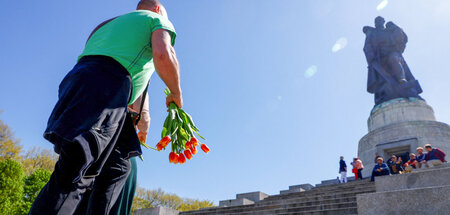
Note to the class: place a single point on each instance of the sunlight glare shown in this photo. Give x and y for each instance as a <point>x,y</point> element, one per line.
<point>311,71</point>
<point>340,44</point>
<point>382,5</point>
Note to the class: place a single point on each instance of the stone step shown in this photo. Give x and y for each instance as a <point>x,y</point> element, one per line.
<point>317,193</point>
<point>327,199</point>
<point>351,185</point>
<point>317,207</point>
<point>340,211</point>
<point>336,211</point>
<point>333,199</point>
<point>312,200</point>
<point>315,197</point>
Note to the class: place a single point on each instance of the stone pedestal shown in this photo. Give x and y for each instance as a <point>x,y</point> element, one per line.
<point>399,126</point>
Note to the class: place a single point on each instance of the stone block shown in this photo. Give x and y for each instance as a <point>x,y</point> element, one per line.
<point>253,196</point>
<point>426,178</point>
<point>328,182</point>
<point>235,202</point>
<point>305,187</point>
<point>429,200</point>
<point>156,211</point>
<point>293,190</point>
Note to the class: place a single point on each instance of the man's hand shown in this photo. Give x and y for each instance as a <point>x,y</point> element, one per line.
<point>142,136</point>
<point>177,99</point>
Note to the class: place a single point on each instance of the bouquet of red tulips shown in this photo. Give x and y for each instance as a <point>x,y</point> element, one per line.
<point>179,128</point>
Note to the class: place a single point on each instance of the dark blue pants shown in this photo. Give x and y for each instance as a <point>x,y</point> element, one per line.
<point>85,125</point>
<point>360,177</point>
<point>125,200</point>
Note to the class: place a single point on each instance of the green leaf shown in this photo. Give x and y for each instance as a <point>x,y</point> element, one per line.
<point>164,132</point>
<point>190,121</point>
<point>183,134</point>
<point>199,135</point>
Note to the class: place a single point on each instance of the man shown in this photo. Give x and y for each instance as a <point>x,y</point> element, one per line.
<point>411,164</point>
<point>379,169</point>
<point>89,124</point>
<point>435,156</point>
<point>420,158</point>
<point>343,170</point>
<point>359,166</point>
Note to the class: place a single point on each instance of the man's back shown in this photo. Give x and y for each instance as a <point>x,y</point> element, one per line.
<point>127,39</point>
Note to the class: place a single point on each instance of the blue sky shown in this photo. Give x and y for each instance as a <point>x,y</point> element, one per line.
<point>260,78</point>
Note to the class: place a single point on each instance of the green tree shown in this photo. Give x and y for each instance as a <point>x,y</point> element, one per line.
<point>195,204</point>
<point>158,198</point>
<point>33,185</point>
<point>37,158</point>
<point>11,187</point>
<point>9,146</point>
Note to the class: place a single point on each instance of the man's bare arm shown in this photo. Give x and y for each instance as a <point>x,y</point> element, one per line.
<point>166,65</point>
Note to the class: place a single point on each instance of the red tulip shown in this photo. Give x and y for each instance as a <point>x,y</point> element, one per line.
<point>194,141</point>
<point>163,143</point>
<point>173,158</point>
<point>194,150</point>
<point>205,148</point>
<point>181,158</point>
<point>188,145</point>
<point>188,154</point>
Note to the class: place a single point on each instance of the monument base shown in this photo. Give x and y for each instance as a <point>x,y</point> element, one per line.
<point>398,127</point>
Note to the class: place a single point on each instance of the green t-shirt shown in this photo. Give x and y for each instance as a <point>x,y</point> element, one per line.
<point>127,39</point>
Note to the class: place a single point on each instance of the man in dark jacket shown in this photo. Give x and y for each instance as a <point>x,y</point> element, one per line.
<point>343,170</point>
<point>380,169</point>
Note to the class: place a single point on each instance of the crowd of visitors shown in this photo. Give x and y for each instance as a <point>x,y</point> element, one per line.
<point>395,164</point>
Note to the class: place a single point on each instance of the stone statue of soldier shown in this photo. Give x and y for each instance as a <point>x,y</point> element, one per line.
<point>389,76</point>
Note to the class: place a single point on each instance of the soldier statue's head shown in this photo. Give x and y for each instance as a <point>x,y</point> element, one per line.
<point>379,22</point>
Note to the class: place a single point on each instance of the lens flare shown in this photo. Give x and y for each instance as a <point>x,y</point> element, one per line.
<point>311,71</point>
<point>340,44</point>
<point>382,5</point>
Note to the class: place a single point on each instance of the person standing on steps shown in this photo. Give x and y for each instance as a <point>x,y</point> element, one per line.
<point>354,169</point>
<point>342,170</point>
<point>359,166</point>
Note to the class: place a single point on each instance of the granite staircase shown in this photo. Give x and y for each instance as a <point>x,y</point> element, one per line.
<point>330,199</point>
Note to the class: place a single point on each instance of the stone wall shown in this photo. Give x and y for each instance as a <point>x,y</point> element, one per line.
<point>425,191</point>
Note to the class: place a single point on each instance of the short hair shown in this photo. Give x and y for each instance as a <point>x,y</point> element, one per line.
<point>419,148</point>
<point>150,2</point>
<point>380,158</point>
<point>427,146</point>
<point>412,154</point>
